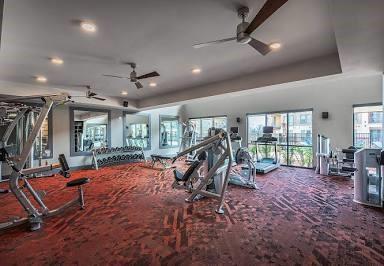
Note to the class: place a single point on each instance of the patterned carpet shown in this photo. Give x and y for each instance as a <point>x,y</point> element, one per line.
<point>134,217</point>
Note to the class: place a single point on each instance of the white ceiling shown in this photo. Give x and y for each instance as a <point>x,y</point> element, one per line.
<point>157,35</point>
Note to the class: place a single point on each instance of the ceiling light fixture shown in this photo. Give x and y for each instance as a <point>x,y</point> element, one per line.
<point>88,26</point>
<point>196,70</point>
<point>275,45</point>
<point>57,61</point>
<point>41,79</point>
<point>152,84</point>
<point>124,93</point>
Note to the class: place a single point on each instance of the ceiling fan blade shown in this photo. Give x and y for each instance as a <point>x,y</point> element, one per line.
<point>205,44</point>
<point>91,94</point>
<point>261,47</point>
<point>138,85</point>
<point>270,7</point>
<point>98,98</point>
<point>114,76</point>
<point>149,75</point>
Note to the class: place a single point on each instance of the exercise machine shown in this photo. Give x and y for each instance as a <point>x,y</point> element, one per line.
<point>18,181</point>
<point>330,163</point>
<point>368,177</point>
<point>265,164</point>
<point>189,136</point>
<point>209,176</point>
<point>244,169</point>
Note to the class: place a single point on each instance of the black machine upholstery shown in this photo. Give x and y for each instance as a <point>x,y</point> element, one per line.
<point>78,182</point>
<point>64,166</point>
<point>179,176</point>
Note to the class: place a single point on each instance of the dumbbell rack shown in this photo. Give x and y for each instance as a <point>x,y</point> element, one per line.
<point>109,156</point>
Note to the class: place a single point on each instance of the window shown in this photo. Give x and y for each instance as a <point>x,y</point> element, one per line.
<point>293,131</point>
<point>204,124</point>
<point>90,129</point>
<point>367,126</point>
<point>137,130</point>
<point>169,131</point>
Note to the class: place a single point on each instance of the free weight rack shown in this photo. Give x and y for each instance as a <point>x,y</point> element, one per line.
<point>110,156</point>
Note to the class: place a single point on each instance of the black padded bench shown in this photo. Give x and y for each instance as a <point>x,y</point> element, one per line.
<point>162,159</point>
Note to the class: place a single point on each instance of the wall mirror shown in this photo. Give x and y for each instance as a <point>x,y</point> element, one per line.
<point>137,130</point>
<point>90,129</point>
<point>169,131</point>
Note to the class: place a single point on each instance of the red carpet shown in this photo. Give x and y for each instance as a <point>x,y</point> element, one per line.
<point>133,216</point>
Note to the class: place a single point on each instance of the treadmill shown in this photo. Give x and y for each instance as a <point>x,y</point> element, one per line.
<point>266,164</point>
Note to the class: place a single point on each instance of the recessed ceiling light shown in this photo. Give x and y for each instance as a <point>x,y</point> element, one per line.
<point>152,84</point>
<point>124,93</point>
<point>57,61</point>
<point>196,70</point>
<point>41,79</point>
<point>275,45</point>
<point>88,26</point>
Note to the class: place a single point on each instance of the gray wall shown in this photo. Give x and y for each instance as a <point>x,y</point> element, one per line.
<point>61,132</point>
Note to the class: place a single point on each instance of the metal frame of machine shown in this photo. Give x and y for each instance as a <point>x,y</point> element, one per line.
<point>221,143</point>
<point>34,215</point>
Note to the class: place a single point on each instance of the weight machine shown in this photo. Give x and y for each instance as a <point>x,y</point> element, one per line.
<point>189,136</point>
<point>212,180</point>
<point>19,173</point>
<point>339,163</point>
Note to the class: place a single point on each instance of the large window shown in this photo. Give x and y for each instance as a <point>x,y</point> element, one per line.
<point>90,129</point>
<point>293,131</point>
<point>169,131</point>
<point>137,130</point>
<point>205,123</point>
<point>367,126</point>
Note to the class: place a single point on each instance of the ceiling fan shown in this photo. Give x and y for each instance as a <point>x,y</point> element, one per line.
<point>89,94</point>
<point>245,29</point>
<point>133,76</point>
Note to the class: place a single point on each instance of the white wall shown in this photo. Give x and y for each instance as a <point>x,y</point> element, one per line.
<point>336,97</point>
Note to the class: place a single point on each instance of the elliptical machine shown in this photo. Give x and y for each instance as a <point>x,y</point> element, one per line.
<point>244,174</point>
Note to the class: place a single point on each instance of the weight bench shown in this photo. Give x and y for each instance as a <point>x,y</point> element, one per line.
<point>162,159</point>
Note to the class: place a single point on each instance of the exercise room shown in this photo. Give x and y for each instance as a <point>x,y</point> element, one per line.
<point>204,132</point>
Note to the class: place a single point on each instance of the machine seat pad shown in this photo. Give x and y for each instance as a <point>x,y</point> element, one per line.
<point>78,182</point>
<point>184,177</point>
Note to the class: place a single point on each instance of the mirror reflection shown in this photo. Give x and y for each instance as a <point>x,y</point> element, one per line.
<point>137,130</point>
<point>90,130</point>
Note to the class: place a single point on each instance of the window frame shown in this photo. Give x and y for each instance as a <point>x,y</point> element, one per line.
<point>149,125</point>
<point>210,117</point>
<point>287,146</point>
<point>72,110</point>
<point>177,118</point>
<point>353,118</point>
